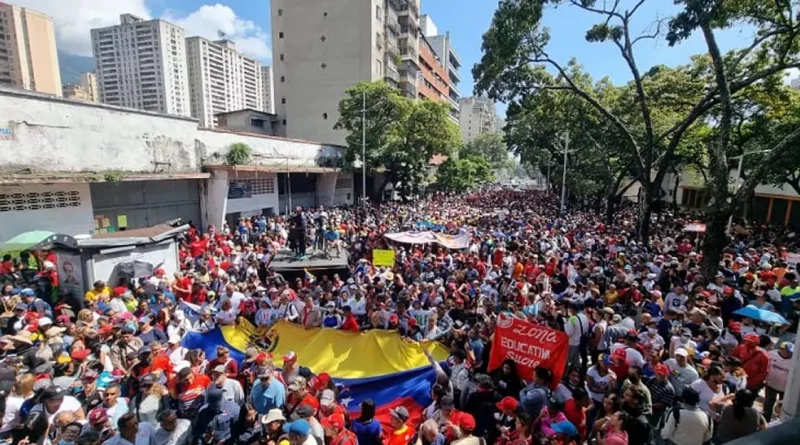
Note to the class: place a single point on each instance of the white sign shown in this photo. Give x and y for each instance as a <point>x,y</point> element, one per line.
<point>792,259</point>
<point>70,273</point>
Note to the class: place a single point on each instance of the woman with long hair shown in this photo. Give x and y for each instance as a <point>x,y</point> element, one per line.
<point>612,431</point>
<point>151,400</point>
<point>740,418</point>
<point>248,429</point>
<point>272,428</point>
<point>367,429</point>
<point>506,380</point>
<point>20,392</point>
<point>522,434</point>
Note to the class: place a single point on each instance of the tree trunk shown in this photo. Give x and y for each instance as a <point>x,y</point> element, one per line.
<point>611,208</point>
<point>715,240</point>
<point>645,213</point>
<point>675,193</point>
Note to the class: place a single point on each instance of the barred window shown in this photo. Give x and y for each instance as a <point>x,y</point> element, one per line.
<point>18,202</point>
<point>258,186</point>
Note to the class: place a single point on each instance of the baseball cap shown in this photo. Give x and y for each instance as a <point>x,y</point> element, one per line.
<point>219,368</point>
<point>149,379</point>
<point>467,422</point>
<point>299,427</point>
<point>662,369</point>
<point>400,413</point>
<point>97,416</point>
<point>303,411</point>
<point>53,393</point>
<point>297,383</point>
<point>174,339</point>
<point>681,351</point>
<point>752,338</point>
<point>565,427</point>
<point>620,353</point>
<point>787,346</point>
<point>507,404</point>
<point>333,421</point>
<point>289,357</point>
<point>213,395</point>
<point>250,355</point>
<point>327,398</point>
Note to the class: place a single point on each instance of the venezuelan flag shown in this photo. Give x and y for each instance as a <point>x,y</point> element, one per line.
<point>380,365</point>
<point>309,276</point>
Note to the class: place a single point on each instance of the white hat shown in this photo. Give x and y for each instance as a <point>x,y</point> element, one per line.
<point>681,351</point>
<point>181,365</point>
<point>174,339</point>
<point>327,398</point>
<point>179,315</point>
<point>273,415</point>
<point>45,321</point>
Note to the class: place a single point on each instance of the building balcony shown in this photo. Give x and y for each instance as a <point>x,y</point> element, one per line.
<point>391,71</point>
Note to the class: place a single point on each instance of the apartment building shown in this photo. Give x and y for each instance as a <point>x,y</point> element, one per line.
<point>322,47</point>
<point>28,57</point>
<point>142,64</point>
<point>433,80</point>
<point>477,115</point>
<point>85,90</point>
<point>268,98</point>
<point>221,79</point>
<point>448,57</point>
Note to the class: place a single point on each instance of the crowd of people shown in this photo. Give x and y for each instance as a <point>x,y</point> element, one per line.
<point>658,353</point>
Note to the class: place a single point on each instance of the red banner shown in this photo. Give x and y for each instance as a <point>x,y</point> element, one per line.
<point>530,346</point>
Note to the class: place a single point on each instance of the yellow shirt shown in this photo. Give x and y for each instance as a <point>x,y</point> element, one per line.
<point>93,295</point>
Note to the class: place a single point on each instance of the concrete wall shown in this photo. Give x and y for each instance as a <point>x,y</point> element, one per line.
<point>215,204</point>
<point>59,135</point>
<point>348,52</point>
<point>63,208</point>
<point>146,203</point>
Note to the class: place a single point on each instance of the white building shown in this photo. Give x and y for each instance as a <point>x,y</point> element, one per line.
<point>221,79</point>
<point>142,64</point>
<point>268,82</point>
<point>477,115</point>
<point>323,47</point>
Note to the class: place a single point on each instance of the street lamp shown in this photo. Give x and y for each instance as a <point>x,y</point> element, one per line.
<point>364,110</point>
<point>739,176</point>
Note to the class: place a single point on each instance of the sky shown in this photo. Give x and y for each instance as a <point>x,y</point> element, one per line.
<point>247,22</point>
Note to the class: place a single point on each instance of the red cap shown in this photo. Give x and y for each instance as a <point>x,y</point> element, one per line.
<point>662,369</point>
<point>620,353</point>
<point>752,338</point>
<point>105,329</point>
<point>289,357</point>
<point>120,290</point>
<point>507,404</point>
<point>728,290</point>
<point>63,319</point>
<point>80,354</point>
<point>97,415</point>
<point>412,322</point>
<point>459,301</point>
<point>159,272</point>
<point>333,421</point>
<point>321,381</point>
<point>735,327</point>
<point>467,422</point>
<point>394,318</point>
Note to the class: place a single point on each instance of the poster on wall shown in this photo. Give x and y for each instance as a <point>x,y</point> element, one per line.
<point>240,189</point>
<point>70,272</point>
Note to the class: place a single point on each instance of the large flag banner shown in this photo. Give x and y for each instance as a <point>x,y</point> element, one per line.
<point>378,364</point>
<point>530,346</point>
<point>456,242</point>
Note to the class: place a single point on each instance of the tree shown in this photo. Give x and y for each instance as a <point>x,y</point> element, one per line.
<point>490,146</point>
<point>661,115</point>
<point>239,154</point>
<point>401,135</point>
<point>463,173</point>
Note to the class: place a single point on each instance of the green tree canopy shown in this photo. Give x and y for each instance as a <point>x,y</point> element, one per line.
<point>463,173</point>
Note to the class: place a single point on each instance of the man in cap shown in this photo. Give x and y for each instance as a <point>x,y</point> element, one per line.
<point>126,349</point>
<point>328,405</point>
<point>755,361</point>
<point>268,392</point>
<point>401,432</point>
<point>216,418</point>
<point>780,362</point>
<point>681,372</point>
<point>336,432</point>
<point>90,395</point>
<point>98,422</point>
<point>179,325</point>
<point>687,423</point>
<point>117,304</point>
<point>231,388</point>
<point>662,392</point>
<point>190,391</point>
<point>175,351</point>
<point>306,412</point>
<point>55,400</point>
<point>206,321</point>
<point>299,432</point>
<point>224,359</point>
<point>299,395</point>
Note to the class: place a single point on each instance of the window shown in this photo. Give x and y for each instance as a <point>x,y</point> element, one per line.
<point>283,100</point>
<point>284,122</point>
<point>17,202</point>
<point>378,13</point>
<point>283,79</point>
<point>280,35</point>
<point>281,57</point>
<point>280,12</point>
<point>325,14</point>
<point>378,67</point>
<point>256,122</point>
<point>344,183</point>
<point>325,116</point>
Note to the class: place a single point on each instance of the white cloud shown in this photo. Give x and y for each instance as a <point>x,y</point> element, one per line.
<point>210,21</point>
<point>73,19</point>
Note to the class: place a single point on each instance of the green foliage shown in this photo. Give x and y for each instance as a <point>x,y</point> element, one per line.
<point>113,176</point>
<point>401,135</point>
<point>490,146</point>
<point>461,174</point>
<point>239,154</point>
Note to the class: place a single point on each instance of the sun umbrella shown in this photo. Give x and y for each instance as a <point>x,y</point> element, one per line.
<point>25,240</point>
<point>766,316</point>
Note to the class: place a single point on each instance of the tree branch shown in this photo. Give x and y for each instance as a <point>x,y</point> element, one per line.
<point>633,11</point>
<point>777,152</point>
<point>610,13</point>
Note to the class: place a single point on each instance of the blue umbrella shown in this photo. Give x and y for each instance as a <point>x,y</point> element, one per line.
<point>766,316</point>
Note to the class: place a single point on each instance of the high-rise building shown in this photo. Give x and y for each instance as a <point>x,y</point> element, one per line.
<point>89,82</point>
<point>28,57</point>
<point>221,79</point>
<point>269,92</point>
<point>77,92</point>
<point>477,115</point>
<point>443,48</point>
<point>142,64</point>
<point>322,47</point>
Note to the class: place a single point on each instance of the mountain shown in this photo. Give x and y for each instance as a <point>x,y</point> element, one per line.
<point>72,66</point>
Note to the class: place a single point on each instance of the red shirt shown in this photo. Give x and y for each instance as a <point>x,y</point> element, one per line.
<point>350,324</point>
<point>620,370</point>
<point>183,283</point>
<point>400,436</point>
<point>576,415</point>
<point>755,362</point>
<point>197,248</point>
<point>292,403</point>
<point>231,368</point>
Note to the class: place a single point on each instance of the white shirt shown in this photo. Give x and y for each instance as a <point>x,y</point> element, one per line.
<point>675,301</point>
<point>178,436</point>
<point>778,371</point>
<point>69,405</point>
<point>632,356</point>
<point>143,437</point>
<point>13,404</point>
<point>706,395</point>
<point>117,305</point>
<point>177,355</point>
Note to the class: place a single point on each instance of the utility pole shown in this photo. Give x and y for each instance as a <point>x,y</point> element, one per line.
<point>364,149</point>
<point>564,175</point>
